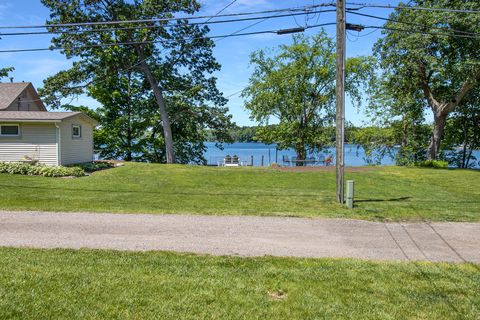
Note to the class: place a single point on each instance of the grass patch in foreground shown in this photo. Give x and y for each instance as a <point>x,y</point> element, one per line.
<point>48,284</point>
<point>384,193</point>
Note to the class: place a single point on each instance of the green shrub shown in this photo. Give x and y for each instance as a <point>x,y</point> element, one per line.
<point>95,166</point>
<point>439,164</point>
<point>40,170</point>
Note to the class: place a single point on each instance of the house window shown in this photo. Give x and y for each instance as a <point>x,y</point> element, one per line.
<point>76,131</point>
<point>9,130</point>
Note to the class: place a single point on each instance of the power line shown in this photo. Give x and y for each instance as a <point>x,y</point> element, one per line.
<point>458,32</point>
<point>370,5</point>
<point>362,35</point>
<point>234,94</point>
<point>242,29</point>
<point>262,18</point>
<point>101,79</point>
<point>477,36</point>
<point>223,9</point>
<point>249,26</point>
<point>157,41</point>
<point>82,24</point>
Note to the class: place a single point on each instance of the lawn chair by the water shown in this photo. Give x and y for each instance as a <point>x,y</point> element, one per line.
<point>286,160</point>
<point>231,161</point>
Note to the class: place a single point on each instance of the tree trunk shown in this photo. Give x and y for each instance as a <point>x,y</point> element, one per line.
<point>128,156</point>
<point>301,154</point>
<point>129,124</point>
<point>467,162</point>
<point>167,129</point>
<point>465,142</point>
<point>441,110</point>
<point>438,128</point>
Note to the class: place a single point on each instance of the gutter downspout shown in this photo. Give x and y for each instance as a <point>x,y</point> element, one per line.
<point>59,150</point>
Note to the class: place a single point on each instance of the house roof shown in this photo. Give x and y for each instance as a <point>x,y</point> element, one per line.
<point>39,116</point>
<point>10,91</point>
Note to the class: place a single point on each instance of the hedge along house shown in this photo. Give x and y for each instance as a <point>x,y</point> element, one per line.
<point>28,132</point>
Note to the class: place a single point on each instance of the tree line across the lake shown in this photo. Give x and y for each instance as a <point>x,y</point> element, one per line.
<point>154,78</point>
<point>249,133</point>
<point>462,136</point>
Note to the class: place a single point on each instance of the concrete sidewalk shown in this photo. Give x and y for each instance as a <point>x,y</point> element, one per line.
<point>244,235</point>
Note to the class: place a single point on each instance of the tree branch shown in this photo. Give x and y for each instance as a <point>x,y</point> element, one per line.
<point>426,87</point>
<point>466,87</point>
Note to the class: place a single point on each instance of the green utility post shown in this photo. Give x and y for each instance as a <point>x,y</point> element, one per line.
<point>350,194</point>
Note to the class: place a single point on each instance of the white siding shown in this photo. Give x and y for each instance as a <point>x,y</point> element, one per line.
<point>36,141</point>
<point>76,150</point>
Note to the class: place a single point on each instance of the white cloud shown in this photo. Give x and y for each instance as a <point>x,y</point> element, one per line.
<point>43,68</point>
<point>3,9</point>
<point>263,36</point>
<point>253,3</point>
<point>6,58</point>
<point>213,6</point>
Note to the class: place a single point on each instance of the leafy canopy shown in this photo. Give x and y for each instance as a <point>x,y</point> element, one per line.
<point>295,85</point>
<point>429,59</point>
<point>175,58</point>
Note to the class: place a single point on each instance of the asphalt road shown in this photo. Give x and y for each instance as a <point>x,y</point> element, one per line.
<point>244,235</point>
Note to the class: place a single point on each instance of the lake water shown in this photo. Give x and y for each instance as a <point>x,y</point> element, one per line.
<point>354,156</point>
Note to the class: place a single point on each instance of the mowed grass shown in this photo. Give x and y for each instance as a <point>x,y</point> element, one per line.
<point>87,284</point>
<point>385,193</point>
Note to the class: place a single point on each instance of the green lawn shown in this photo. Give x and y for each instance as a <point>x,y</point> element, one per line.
<point>394,193</point>
<point>87,284</point>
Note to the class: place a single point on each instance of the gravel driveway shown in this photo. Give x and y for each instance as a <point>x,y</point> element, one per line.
<point>244,235</point>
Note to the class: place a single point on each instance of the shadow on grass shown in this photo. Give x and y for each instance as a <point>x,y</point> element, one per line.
<point>426,274</point>
<point>173,193</point>
<point>386,200</point>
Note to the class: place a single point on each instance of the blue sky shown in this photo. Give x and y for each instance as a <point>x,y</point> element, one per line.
<point>232,53</point>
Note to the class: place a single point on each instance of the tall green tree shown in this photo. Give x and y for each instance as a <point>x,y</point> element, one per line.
<point>172,57</point>
<point>188,125</point>
<point>401,116</point>
<point>124,116</point>
<point>376,142</point>
<point>462,134</point>
<point>4,72</point>
<point>295,84</point>
<point>429,54</point>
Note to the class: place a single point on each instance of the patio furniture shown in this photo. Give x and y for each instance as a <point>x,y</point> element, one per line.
<point>231,161</point>
<point>307,161</point>
<point>329,160</point>
<point>286,160</point>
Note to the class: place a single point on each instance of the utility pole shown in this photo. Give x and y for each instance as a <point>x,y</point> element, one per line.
<point>340,93</point>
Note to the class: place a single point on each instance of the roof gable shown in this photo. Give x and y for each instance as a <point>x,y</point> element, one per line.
<point>40,116</point>
<point>11,91</point>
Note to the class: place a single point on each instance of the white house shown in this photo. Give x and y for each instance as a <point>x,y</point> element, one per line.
<point>28,131</point>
